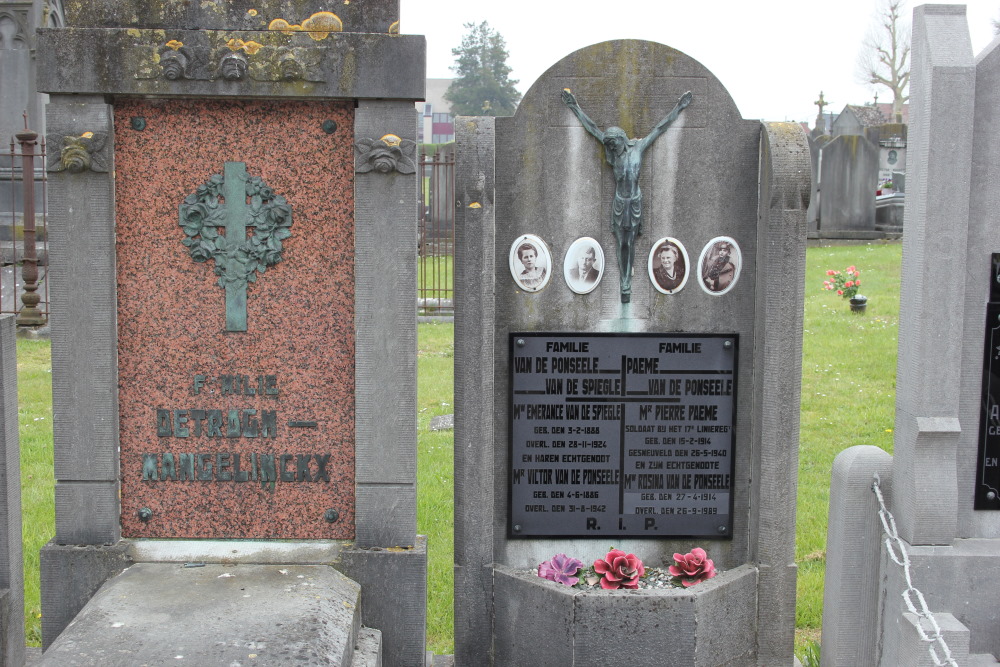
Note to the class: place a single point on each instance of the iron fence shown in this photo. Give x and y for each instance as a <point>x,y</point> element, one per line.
<point>436,233</point>
<point>24,289</point>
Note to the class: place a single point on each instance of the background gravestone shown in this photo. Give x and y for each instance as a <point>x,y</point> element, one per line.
<point>848,176</point>
<point>218,367</point>
<point>941,482</point>
<point>711,174</point>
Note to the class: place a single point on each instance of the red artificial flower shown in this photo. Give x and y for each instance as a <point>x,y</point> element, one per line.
<point>693,568</point>
<point>619,570</point>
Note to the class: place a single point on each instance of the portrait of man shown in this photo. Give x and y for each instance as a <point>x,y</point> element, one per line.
<point>529,263</point>
<point>583,265</point>
<point>720,265</point>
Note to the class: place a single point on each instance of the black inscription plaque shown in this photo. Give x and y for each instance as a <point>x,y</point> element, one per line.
<point>988,464</point>
<point>627,435</point>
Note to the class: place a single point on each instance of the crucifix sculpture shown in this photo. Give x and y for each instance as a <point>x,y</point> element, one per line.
<point>233,202</point>
<point>625,157</point>
<point>820,103</point>
<point>820,121</point>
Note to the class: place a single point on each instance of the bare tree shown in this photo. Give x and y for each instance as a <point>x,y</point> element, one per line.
<point>884,59</point>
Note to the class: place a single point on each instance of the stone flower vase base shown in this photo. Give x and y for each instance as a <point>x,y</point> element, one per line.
<point>859,303</point>
<point>540,622</point>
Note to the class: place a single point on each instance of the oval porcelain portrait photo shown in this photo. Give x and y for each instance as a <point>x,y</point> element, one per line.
<point>668,265</point>
<point>583,266</point>
<point>719,265</point>
<point>530,263</point>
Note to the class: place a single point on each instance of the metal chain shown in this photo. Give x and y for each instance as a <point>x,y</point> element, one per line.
<point>901,558</point>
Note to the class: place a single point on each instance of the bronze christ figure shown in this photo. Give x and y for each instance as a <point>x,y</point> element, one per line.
<point>625,157</point>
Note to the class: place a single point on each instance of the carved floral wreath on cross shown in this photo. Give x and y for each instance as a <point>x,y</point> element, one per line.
<point>236,260</point>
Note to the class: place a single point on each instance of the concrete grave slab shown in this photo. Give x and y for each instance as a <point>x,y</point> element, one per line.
<point>160,613</point>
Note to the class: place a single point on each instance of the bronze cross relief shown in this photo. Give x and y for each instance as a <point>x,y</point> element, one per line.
<point>233,202</point>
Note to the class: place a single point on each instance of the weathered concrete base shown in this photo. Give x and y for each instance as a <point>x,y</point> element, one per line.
<point>394,599</point>
<point>914,651</point>
<point>368,648</point>
<point>393,580</point>
<point>70,576</point>
<point>155,613</point>
<point>952,579</point>
<point>889,213</point>
<point>10,654</point>
<point>539,622</point>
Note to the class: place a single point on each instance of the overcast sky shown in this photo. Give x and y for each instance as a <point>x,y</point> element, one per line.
<point>774,56</point>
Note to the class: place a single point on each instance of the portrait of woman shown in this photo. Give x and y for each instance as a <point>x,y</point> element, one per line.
<point>530,263</point>
<point>719,265</point>
<point>583,266</point>
<point>668,265</point>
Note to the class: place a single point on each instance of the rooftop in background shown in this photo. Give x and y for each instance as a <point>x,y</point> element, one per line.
<point>869,116</point>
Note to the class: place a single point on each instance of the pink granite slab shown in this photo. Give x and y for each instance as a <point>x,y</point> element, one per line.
<point>300,314</point>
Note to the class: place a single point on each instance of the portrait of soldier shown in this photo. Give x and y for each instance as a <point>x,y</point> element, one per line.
<point>720,266</point>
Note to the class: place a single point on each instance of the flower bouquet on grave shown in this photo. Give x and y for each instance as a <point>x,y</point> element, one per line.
<point>846,284</point>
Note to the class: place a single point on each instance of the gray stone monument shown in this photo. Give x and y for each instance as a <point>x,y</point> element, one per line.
<point>733,194</point>
<point>941,483</point>
<point>11,560</point>
<point>847,174</point>
<point>227,187</point>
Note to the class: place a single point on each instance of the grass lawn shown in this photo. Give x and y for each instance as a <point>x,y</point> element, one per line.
<point>848,398</point>
<point>435,473</point>
<point>34,416</point>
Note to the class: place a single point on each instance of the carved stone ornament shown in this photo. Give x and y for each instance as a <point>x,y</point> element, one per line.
<point>236,60</point>
<point>221,202</point>
<point>386,154</point>
<point>233,67</point>
<point>14,26</point>
<point>177,61</point>
<point>79,154</point>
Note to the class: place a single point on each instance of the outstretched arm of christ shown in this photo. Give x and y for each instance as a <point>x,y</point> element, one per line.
<point>661,127</point>
<point>570,100</point>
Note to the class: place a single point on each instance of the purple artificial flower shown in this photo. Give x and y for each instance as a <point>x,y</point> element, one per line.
<point>560,568</point>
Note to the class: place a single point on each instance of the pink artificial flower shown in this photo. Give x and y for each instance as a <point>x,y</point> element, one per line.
<point>693,568</point>
<point>857,283</point>
<point>840,292</point>
<point>830,272</point>
<point>619,570</point>
<point>849,283</point>
<point>560,568</point>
